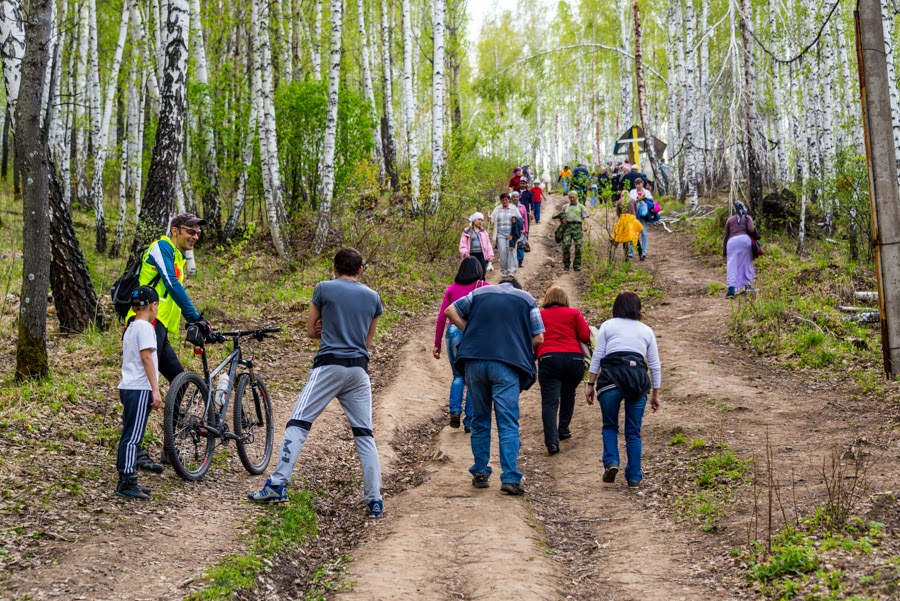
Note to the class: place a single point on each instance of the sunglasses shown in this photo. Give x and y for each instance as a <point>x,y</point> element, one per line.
<point>191,232</point>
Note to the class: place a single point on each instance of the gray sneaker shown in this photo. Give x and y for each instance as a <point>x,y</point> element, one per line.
<point>270,493</point>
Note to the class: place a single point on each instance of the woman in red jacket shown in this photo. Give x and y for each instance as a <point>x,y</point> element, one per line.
<point>560,364</point>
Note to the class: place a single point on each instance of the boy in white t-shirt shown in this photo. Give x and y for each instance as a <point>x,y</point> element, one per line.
<point>139,388</point>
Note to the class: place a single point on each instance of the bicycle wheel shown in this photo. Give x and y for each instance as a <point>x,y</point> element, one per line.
<point>253,423</point>
<point>189,447</point>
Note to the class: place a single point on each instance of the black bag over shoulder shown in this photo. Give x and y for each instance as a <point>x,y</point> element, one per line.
<point>125,285</point>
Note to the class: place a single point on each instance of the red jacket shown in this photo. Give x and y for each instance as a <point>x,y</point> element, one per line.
<point>564,328</point>
<point>514,182</point>
<point>536,194</point>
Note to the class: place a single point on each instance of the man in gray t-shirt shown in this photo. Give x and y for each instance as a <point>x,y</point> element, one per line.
<point>349,308</point>
<point>344,314</point>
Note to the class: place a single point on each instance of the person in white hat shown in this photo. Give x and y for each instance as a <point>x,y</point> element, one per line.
<point>476,242</point>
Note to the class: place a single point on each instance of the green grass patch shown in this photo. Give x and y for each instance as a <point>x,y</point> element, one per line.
<point>715,476</point>
<point>679,438</point>
<point>280,529</point>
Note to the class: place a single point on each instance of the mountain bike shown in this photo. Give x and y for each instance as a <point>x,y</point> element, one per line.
<point>195,411</point>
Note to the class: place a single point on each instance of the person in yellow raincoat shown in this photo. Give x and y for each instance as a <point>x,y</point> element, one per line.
<point>628,229</point>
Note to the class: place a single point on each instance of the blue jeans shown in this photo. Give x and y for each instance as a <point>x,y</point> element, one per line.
<point>565,183</point>
<point>644,236</point>
<point>454,338</point>
<point>520,254</point>
<point>494,384</point>
<point>537,212</point>
<point>593,197</point>
<point>634,415</point>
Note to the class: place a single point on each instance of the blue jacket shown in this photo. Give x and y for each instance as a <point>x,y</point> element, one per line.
<point>500,323</point>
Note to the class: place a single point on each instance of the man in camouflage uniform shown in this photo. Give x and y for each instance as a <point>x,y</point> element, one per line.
<point>574,221</point>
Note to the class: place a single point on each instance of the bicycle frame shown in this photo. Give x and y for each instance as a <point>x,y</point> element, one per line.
<point>232,361</point>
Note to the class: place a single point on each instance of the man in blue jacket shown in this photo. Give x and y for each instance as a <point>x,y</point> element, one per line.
<point>501,328</point>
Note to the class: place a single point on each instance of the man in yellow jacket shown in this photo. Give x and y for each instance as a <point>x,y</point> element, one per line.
<point>162,268</point>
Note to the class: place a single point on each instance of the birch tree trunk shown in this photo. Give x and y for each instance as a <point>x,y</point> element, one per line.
<point>672,98</point>
<point>240,197</point>
<point>12,50</point>
<point>690,102</point>
<point>31,155</point>
<point>887,17</point>
<point>161,183</point>
<point>625,71</point>
<point>102,133</point>
<point>409,103</point>
<point>367,82</point>
<point>51,62</point>
<point>658,173</point>
<point>79,135</point>
<point>209,186</point>
<point>315,44</point>
<point>437,105</point>
<point>387,119</point>
<point>268,140</point>
<point>331,124</point>
<point>754,172</point>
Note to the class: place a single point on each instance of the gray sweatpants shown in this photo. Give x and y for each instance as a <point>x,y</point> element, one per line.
<point>352,388</point>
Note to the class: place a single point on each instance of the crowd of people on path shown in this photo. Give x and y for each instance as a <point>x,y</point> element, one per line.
<point>499,342</point>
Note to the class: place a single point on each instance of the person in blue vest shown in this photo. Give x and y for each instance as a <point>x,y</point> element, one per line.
<point>501,328</point>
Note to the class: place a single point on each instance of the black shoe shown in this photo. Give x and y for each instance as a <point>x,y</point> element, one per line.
<point>468,429</point>
<point>566,268</point>
<point>634,484</point>
<point>129,489</point>
<point>481,481</point>
<point>143,462</point>
<point>552,449</point>
<point>642,257</point>
<point>565,435</point>
<point>454,420</point>
<point>609,475</point>
<point>520,265</point>
<point>577,268</point>
<point>512,489</point>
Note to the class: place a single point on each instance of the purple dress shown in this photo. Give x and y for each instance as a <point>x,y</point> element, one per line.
<point>739,252</point>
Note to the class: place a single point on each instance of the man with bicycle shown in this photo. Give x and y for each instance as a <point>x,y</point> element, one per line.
<point>162,268</point>
<point>344,315</point>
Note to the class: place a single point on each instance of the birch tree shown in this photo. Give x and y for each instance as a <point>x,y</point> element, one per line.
<point>625,73</point>
<point>437,105</point>
<point>754,173</point>
<point>658,173</point>
<point>409,103</point>
<point>331,124</point>
<point>268,138</point>
<point>157,203</point>
<point>368,91</point>
<point>387,119</point>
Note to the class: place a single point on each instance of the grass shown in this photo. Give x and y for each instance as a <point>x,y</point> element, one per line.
<point>280,529</point>
<point>716,475</point>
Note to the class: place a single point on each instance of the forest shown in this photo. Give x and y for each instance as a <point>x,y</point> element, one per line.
<point>295,128</point>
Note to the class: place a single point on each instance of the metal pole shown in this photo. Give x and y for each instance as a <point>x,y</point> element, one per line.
<point>875,88</point>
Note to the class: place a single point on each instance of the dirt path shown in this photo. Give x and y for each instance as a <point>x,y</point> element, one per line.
<point>447,540</point>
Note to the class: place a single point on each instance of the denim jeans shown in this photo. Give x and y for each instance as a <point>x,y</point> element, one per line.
<point>520,254</point>
<point>565,184</point>
<point>537,212</point>
<point>454,338</point>
<point>494,384</point>
<point>559,375</point>
<point>643,249</point>
<point>634,414</point>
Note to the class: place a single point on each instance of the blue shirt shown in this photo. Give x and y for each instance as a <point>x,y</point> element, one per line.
<point>500,323</point>
<point>348,308</point>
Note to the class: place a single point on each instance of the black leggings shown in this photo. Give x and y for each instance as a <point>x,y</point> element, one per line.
<point>169,364</point>
<point>481,259</point>
<point>559,375</point>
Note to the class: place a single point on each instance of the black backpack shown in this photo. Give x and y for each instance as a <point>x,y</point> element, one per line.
<point>126,285</point>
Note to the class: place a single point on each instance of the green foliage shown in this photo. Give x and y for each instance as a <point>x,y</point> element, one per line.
<point>301,110</point>
<point>279,529</point>
<point>678,439</point>
<point>715,477</point>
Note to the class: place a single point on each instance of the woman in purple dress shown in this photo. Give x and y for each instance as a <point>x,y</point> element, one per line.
<point>737,249</point>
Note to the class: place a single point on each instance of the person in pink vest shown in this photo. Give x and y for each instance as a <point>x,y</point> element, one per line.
<point>476,242</point>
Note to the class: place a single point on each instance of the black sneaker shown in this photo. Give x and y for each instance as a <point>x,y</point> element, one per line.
<point>512,489</point>
<point>454,420</point>
<point>481,481</point>
<point>129,489</point>
<point>468,429</point>
<point>565,435</point>
<point>609,475</point>
<point>634,484</point>
<point>143,462</point>
<point>552,449</point>
<point>576,268</point>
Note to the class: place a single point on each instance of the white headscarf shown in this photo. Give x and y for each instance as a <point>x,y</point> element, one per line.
<point>475,216</point>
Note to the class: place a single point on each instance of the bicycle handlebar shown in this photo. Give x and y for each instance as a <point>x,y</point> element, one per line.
<point>258,334</point>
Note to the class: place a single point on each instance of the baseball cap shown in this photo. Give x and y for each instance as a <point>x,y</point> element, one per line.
<point>186,219</point>
<point>143,296</point>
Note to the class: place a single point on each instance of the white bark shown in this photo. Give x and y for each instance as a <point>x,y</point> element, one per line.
<point>51,61</point>
<point>691,166</point>
<point>12,45</point>
<point>81,99</point>
<point>437,105</point>
<point>887,17</point>
<point>409,102</point>
<point>331,124</point>
<point>57,133</point>
<point>240,197</point>
<point>387,81</point>
<point>623,9</point>
<point>846,98</point>
<point>367,78</point>
<point>138,154</point>
<point>315,45</point>
<point>208,157</point>
<point>778,101</point>
<point>268,141</point>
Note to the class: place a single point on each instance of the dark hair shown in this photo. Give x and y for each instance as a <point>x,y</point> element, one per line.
<point>627,306</point>
<point>512,281</point>
<point>504,195</point>
<point>469,271</point>
<point>348,261</point>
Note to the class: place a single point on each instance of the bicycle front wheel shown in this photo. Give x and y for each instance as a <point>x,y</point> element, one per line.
<point>189,445</point>
<point>253,423</point>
